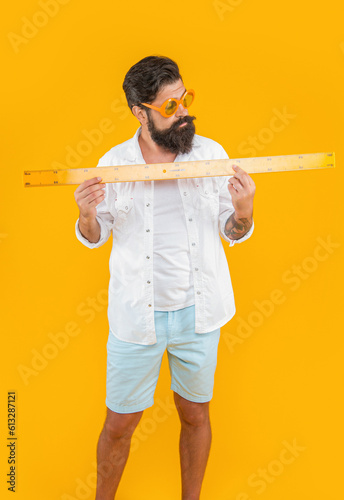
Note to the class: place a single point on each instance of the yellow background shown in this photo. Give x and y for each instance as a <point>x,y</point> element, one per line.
<point>279,386</point>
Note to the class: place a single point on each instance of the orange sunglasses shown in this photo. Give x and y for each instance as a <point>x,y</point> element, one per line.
<point>170,106</point>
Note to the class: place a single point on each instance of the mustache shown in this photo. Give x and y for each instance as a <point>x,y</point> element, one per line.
<point>185,119</point>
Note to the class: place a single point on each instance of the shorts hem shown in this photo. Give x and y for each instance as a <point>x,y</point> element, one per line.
<point>128,408</point>
<point>194,399</point>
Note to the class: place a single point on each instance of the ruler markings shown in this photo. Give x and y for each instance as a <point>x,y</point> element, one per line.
<point>188,169</point>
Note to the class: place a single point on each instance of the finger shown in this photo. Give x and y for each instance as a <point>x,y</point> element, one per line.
<point>96,201</point>
<point>88,183</point>
<point>241,175</point>
<point>236,184</point>
<point>232,191</point>
<point>94,194</point>
<point>97,188</point>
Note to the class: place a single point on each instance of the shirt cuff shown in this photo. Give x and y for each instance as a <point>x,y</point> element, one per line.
<point>103,234</point>
<point>243,238</point>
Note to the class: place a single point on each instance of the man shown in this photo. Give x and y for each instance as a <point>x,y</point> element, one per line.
<point>170,285</point>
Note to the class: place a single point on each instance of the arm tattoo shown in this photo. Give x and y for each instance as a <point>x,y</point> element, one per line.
<point>236,228</point>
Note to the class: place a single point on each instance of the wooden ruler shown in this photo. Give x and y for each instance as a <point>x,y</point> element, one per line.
<point>181,170</point>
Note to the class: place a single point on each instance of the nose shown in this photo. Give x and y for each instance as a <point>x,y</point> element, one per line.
<point>181,111</point>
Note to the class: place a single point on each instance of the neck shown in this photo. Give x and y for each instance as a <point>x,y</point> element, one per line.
<point>152,152</point>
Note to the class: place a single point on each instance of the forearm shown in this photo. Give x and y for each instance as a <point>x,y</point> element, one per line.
<point>89,228</point>
<point>236,227</point>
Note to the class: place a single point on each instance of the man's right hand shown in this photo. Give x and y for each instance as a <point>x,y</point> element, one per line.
<point>88,195</point>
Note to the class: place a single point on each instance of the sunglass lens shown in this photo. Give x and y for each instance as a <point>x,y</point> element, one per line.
<point>187,101</point>
<point>171,107</point>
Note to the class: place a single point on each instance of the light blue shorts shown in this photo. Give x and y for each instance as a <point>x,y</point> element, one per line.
<point>133,369</point>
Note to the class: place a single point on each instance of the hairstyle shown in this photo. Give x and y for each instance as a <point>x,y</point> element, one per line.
<point>146,78</point>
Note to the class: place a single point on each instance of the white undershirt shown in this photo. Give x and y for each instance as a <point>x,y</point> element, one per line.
<point>173,280</point>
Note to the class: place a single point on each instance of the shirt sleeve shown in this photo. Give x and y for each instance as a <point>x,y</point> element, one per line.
<point>226,208</point>
<point>105,219</point>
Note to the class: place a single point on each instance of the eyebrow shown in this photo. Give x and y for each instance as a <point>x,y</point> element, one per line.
<point>183,93</point>
<point>178,98</point>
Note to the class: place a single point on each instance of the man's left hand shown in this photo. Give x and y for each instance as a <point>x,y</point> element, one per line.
<point>242,190</point>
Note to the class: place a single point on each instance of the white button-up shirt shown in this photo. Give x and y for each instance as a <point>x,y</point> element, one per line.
<point>127,213</point>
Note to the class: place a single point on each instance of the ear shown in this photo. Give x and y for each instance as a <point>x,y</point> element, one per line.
<point>140,114</point>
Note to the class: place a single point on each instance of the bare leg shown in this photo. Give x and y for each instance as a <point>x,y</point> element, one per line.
<point>194,444</point>
<point>113,451</point>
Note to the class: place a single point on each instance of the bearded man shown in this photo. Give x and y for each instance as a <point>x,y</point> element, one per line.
<point>170,286</point>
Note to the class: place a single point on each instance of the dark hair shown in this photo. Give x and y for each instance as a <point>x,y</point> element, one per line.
<point>146,78</point>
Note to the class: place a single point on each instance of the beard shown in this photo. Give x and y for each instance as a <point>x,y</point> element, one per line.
<point>174,139</point>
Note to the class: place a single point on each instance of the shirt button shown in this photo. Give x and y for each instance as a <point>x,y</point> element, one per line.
<point>147,257</point>
<point>149,305</point>
<point>185,193</point>
<point>147,230</point>
<point>198,293</point>
<point>193,244</point>
<point>196,268</point>
<point>190,220</point>
<point>148,282</point>
<point>148,205</point>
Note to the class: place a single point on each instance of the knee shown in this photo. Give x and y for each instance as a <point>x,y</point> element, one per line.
<point>121,425</point>
<point>192,413</point>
